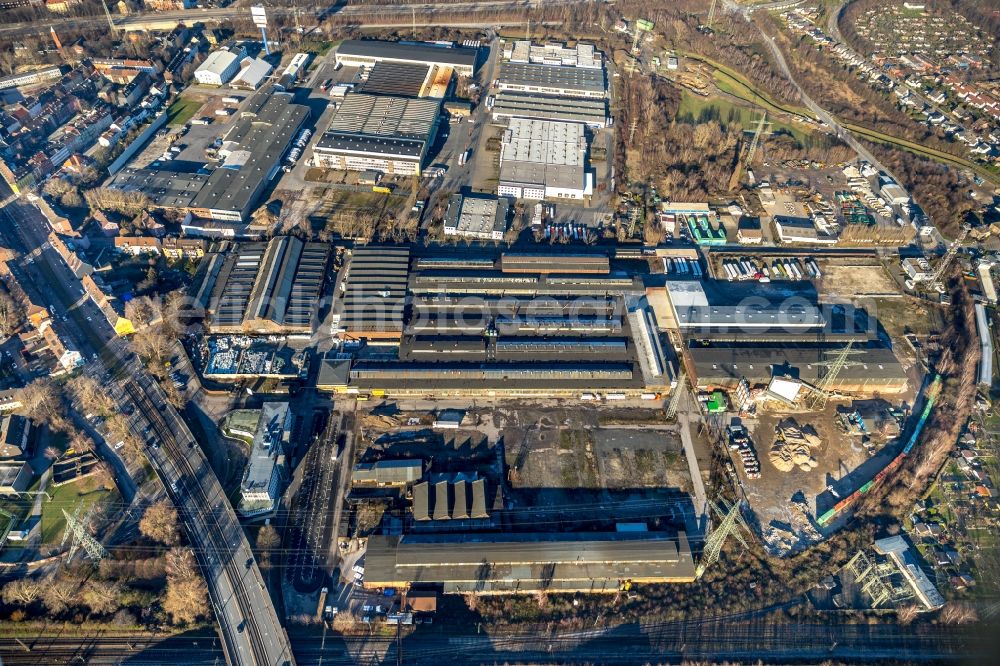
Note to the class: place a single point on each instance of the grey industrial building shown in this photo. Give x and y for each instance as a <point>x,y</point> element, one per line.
<point>374,293</point>
<point>732,333</point>
<point>272,287</point>
<point>252,149</point>
<point>874,368</point>
<point>476,217</point>
<point>260,137</point>
<point>592,112</point>
<point>508,325</point>
<point>383,133</point>
<point>518,563</point>
<point>366,53</point>
<point>552,80</point>
<point>169,190</point>
<point>544,159</point>
<point>396,78</point>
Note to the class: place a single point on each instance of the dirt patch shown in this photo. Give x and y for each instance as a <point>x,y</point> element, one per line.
<point>849,282</point>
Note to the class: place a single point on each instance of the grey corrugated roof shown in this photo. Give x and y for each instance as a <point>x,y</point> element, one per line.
<point>721,363</point>
<point>441,501</point>
<point>421,501</point>
<point>552,76</point>
<point>519,104</point>
<point>479,499</point>
<point>399,51</point>
<point>512,562</point>
<point>396,78</point>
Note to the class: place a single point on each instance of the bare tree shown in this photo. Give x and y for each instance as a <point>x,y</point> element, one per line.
<point>159,523</point>
<point>59,593</point>
<point>23,591</point>
<point>90,395</point>
<point>43,403</point>
<point>11,315</point>
<point>102,597</point>
<point>143,311</point>
<point>185,600</point>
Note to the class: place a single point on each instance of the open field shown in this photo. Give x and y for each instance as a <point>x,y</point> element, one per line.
<point>86,491</point>
<point>900,316</point>
<point>849,282</point>
<point>182,110</point>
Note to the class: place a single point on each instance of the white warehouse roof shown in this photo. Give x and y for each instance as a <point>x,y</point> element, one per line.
<point>218,62</point>
<point>254,72</point>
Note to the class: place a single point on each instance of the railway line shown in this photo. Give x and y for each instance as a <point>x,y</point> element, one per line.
<point>213,544</point>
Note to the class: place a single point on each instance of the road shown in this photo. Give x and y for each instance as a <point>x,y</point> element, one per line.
<point>161,20</point>
<point>821,113</point>
<point>250,627</point>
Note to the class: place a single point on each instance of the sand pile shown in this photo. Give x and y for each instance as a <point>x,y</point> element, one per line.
<point>794,447</point>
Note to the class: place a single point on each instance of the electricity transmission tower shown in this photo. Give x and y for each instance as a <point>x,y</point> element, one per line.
<point>675,398</point>
<point>748,160</point>
<point>711,14</point>
<point>75,526</point>
<point>817,399</point>
<point>732,525</point>
<point>942,266</point>
<point>111,23</point>
<point>869,578</point>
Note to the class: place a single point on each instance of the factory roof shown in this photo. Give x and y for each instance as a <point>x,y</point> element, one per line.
<point>721,362</point>
<point>476,215</point>
<point>396,78</point>
<point>375,289</point>
<point>543,152</point>
<point>552,76</point>
<point>268,445</point>
<point>581,55</point>
<point>265,128</point>
<point>518,104</point>
<point>750,316</point>
<point>218,62</point>
<point>276,284</point>
<point>593,561</point>
<point>392,472</point>
<point>253,73</point>
<point>380,50</point>
<point>165,189</point>
<point>379,115</point>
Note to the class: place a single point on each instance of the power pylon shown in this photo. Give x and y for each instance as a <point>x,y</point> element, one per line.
<point>711,14</point>
<point>869,578</point>
<point>817,399</point>
<point>675,398</point>
<point>75,526</point>
<point>732,524</point>
<point>748,160</point>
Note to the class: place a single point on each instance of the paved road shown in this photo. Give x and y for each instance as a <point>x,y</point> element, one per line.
<point>250,627</point>
<point>405,14</point>
<point>821,113</point>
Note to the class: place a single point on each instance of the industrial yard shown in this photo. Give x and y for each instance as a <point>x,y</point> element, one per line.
<point>403,339</point>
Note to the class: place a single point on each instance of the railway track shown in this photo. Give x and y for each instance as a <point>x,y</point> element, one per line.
<point>192,649</point>
<point>215,542</point>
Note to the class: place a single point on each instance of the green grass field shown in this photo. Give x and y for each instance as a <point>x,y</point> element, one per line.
<point>67,497</point>
<point>182,111</point>
<point>699,108</point>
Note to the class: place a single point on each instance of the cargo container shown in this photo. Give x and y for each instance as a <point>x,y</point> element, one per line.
<point>815,267</point>
<point>614,396</point>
